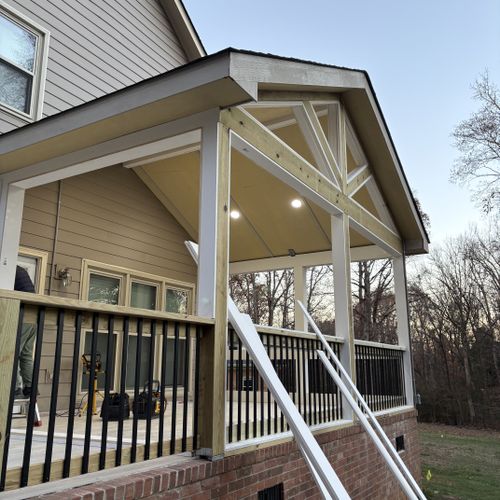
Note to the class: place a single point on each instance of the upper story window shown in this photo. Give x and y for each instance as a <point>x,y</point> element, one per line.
<point>23,57</point>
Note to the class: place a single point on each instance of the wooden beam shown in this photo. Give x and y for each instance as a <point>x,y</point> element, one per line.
<point>296,96</point>
<point>357,179</point>
<point>9,315</point>
<point>370,252</point>
<point>312,131</point>
<point>262,146</point>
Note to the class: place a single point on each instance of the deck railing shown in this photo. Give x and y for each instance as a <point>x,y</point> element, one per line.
<point>126,349</point>
<point>380,374</point>
<point>251,411</point>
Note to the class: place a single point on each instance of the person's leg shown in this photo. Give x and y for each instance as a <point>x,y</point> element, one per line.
<point>26,356</point>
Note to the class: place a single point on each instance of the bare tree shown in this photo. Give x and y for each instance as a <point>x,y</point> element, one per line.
<point>478,140</point>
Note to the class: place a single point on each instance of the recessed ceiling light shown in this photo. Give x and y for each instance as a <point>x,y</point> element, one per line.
<point>296,203</point>
<point>235,214</point>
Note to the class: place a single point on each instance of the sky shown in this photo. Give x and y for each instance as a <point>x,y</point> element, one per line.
<point>422,57</point>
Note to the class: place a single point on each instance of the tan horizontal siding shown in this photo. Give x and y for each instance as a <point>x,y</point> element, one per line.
<point>98,47</point>
<point>109,216</point>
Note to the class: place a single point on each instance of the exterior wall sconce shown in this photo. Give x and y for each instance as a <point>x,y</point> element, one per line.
<point>64,275</point>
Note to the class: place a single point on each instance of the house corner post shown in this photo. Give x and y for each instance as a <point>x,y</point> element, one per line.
<point>403,324</point>
<point>213,276</point>
<point>11,216</point>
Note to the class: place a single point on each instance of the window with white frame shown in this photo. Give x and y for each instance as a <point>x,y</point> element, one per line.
<point>115,285</point>
<point>23,60</point>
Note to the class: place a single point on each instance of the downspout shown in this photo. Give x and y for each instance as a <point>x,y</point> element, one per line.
<point>56,235</point>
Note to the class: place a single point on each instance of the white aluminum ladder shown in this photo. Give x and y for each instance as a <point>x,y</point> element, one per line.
<point>368,421</point>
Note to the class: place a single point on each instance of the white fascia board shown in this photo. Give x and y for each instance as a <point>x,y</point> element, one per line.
<point>267,69</point>
<point>174,82</point>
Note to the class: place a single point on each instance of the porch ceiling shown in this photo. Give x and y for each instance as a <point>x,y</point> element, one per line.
<point>268,226</point>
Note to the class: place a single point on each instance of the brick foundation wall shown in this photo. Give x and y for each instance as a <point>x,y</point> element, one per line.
<point>353,455</point>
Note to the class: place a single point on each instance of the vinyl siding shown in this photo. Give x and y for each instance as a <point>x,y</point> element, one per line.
<point>97,47</point>
<point>109,216</point>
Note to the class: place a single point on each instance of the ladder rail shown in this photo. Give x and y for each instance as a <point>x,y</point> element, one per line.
<point>373,420</point>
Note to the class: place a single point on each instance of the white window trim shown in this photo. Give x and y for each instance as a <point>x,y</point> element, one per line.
<point>40,68</point>
<point>41,271</point>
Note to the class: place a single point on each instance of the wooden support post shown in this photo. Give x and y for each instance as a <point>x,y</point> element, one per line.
<point>213,277</point>
<point>9,315</point>
<point>403,325</point>
<point>343,298</point>
<point>341,253</point>
<point>299,276</point>
<point>11,214</point>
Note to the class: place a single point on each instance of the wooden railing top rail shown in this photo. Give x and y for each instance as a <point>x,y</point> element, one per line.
<point>294,333</point>
<point>380,345</point>
<point>82,305</point>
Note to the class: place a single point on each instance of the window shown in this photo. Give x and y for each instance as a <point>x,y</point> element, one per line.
<point>126,287</point>
<point>115,285</point>
<point>35,263</point>
<point>23,59</point>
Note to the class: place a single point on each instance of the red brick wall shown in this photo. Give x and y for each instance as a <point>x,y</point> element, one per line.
<point>353,455</point>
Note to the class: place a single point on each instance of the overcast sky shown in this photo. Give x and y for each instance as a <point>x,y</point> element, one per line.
<point>422,57</point>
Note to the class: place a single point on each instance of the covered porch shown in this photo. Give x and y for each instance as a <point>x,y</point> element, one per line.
<point>267,164</point>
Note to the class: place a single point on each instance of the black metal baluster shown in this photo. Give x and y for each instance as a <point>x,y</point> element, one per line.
<point>53,396</point>
<point>284,379</point>
<point>230,373</point>
<point>307,381</point>
<point>151,409</point>
<point>239,387</point>
<point>72,395</point>
<point>123,390</point>
<point>323,382</point>
<point>296,358</point>
<point>34,389</point>
<point>107,387</point>
<point>314,380</point>
<point>196,389</point>
<point>174,390</point>
<point>262,406</point>
<point>186,388</point>
<point>254,387</point>
<point>90,394</point>
<point>328,387</point>
<point>268,348</point>
<point>137,375</point>
<point>276,367</point>
<point>13,381</point>
<point>163,384</point>
<point>386,379</point>
<point>403,384</point>
<point>247,395</point>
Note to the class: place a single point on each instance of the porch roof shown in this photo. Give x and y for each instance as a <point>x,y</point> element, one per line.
<point>228,78</point>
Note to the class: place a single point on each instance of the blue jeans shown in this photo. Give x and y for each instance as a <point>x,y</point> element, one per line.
<point>25,364</point>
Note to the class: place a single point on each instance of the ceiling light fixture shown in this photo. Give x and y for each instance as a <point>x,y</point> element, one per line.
<point>296,203</point>
<point>235,214</point>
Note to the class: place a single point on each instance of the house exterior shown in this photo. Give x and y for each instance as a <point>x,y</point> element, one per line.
<point>121,141</point>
